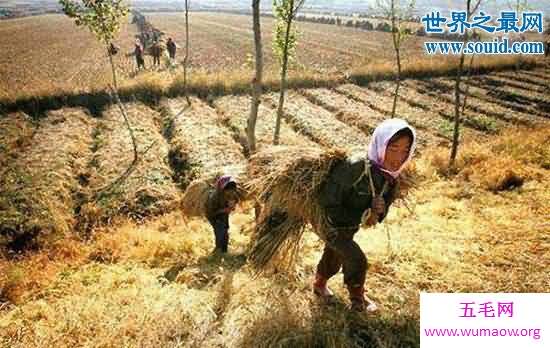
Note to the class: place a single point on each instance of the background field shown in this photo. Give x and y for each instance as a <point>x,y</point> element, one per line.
<point>53,57</point>
<point>48,54</point>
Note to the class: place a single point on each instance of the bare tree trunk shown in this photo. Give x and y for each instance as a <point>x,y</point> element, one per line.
<point>283,76</point>
<point>132,166</point>
<point>121,106</point>
<point>396,44</point>
<point>186,58</point>
<point>467,91</point>
<point>113,69</point>
<point>257,81</point>
<point>456,133</point>
<point>397,82</point>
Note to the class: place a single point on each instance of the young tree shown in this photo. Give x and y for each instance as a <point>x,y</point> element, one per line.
<point>397,11</point>
<point>103,19</point>
<point>186,57</point>
<point>458,110</point>
<point>257,80</point>
<point>284,45</point>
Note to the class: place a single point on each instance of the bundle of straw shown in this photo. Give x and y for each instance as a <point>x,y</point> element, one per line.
<point>287,180</point>
<point>195,197</point>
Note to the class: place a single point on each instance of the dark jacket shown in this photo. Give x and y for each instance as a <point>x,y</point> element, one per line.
<point>215,205</point>
<point>138,51</point>
<point>156,50</point>
<point>344,201</point>
<point>171,46</point>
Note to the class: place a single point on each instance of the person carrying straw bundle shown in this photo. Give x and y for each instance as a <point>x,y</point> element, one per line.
<point>220,203</point>
<point>336,195</point>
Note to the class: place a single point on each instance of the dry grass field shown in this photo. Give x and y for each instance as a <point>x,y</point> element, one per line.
<point>128,270</point>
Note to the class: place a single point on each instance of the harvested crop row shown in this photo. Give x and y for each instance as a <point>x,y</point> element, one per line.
<point>489,96</point>
<point>513,86</point>
<point>537,104</point>
<point>16,131</point>
<point>473,104</point>
<point>347,110</point>
<point>319,124</point>
<point>423,119</point>
<point>37,190</point>
<point>538,84</point>
<point>201,145</point>
<point>235,111</point>
<point>537,73</point>
<point>445,108</point>
<point>148,189</point>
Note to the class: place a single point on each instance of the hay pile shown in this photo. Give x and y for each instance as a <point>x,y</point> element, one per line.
<point>199,137</point>
<point>36,190</point>
<point>148,189</point>
<point>287,180</point>
<point>319,124</point>
<point>235,111</point>
<point>347,110</point>
<point>504,163</point>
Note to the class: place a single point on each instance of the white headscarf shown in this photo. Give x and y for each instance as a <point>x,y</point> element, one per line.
<point>380,139</point>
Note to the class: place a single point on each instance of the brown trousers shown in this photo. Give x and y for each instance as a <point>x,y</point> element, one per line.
<point>344,252</point>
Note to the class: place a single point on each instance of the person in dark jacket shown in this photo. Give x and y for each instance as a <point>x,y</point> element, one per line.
<point>138,52</point>
<point>360,191</point>
<point>113,49</point>
<point>156,51</point>
<point>171,47</point>
<point>221,202</point>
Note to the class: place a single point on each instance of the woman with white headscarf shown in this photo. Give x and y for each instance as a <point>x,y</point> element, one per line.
<point>361,191</point>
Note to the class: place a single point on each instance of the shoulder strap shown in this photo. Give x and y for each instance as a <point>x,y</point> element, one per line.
<point>368,173</point>
<point>365,172</point>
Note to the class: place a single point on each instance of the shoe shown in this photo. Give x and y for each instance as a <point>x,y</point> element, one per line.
<point>360,302</point>
<point>321,289</point>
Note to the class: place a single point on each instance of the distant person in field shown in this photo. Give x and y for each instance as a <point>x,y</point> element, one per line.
<point>138,52</point>
<point>221,202</point>
<point>171,47</point>
<point>349,202</point>
<point>156,51</point>
<point>113,49</point>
